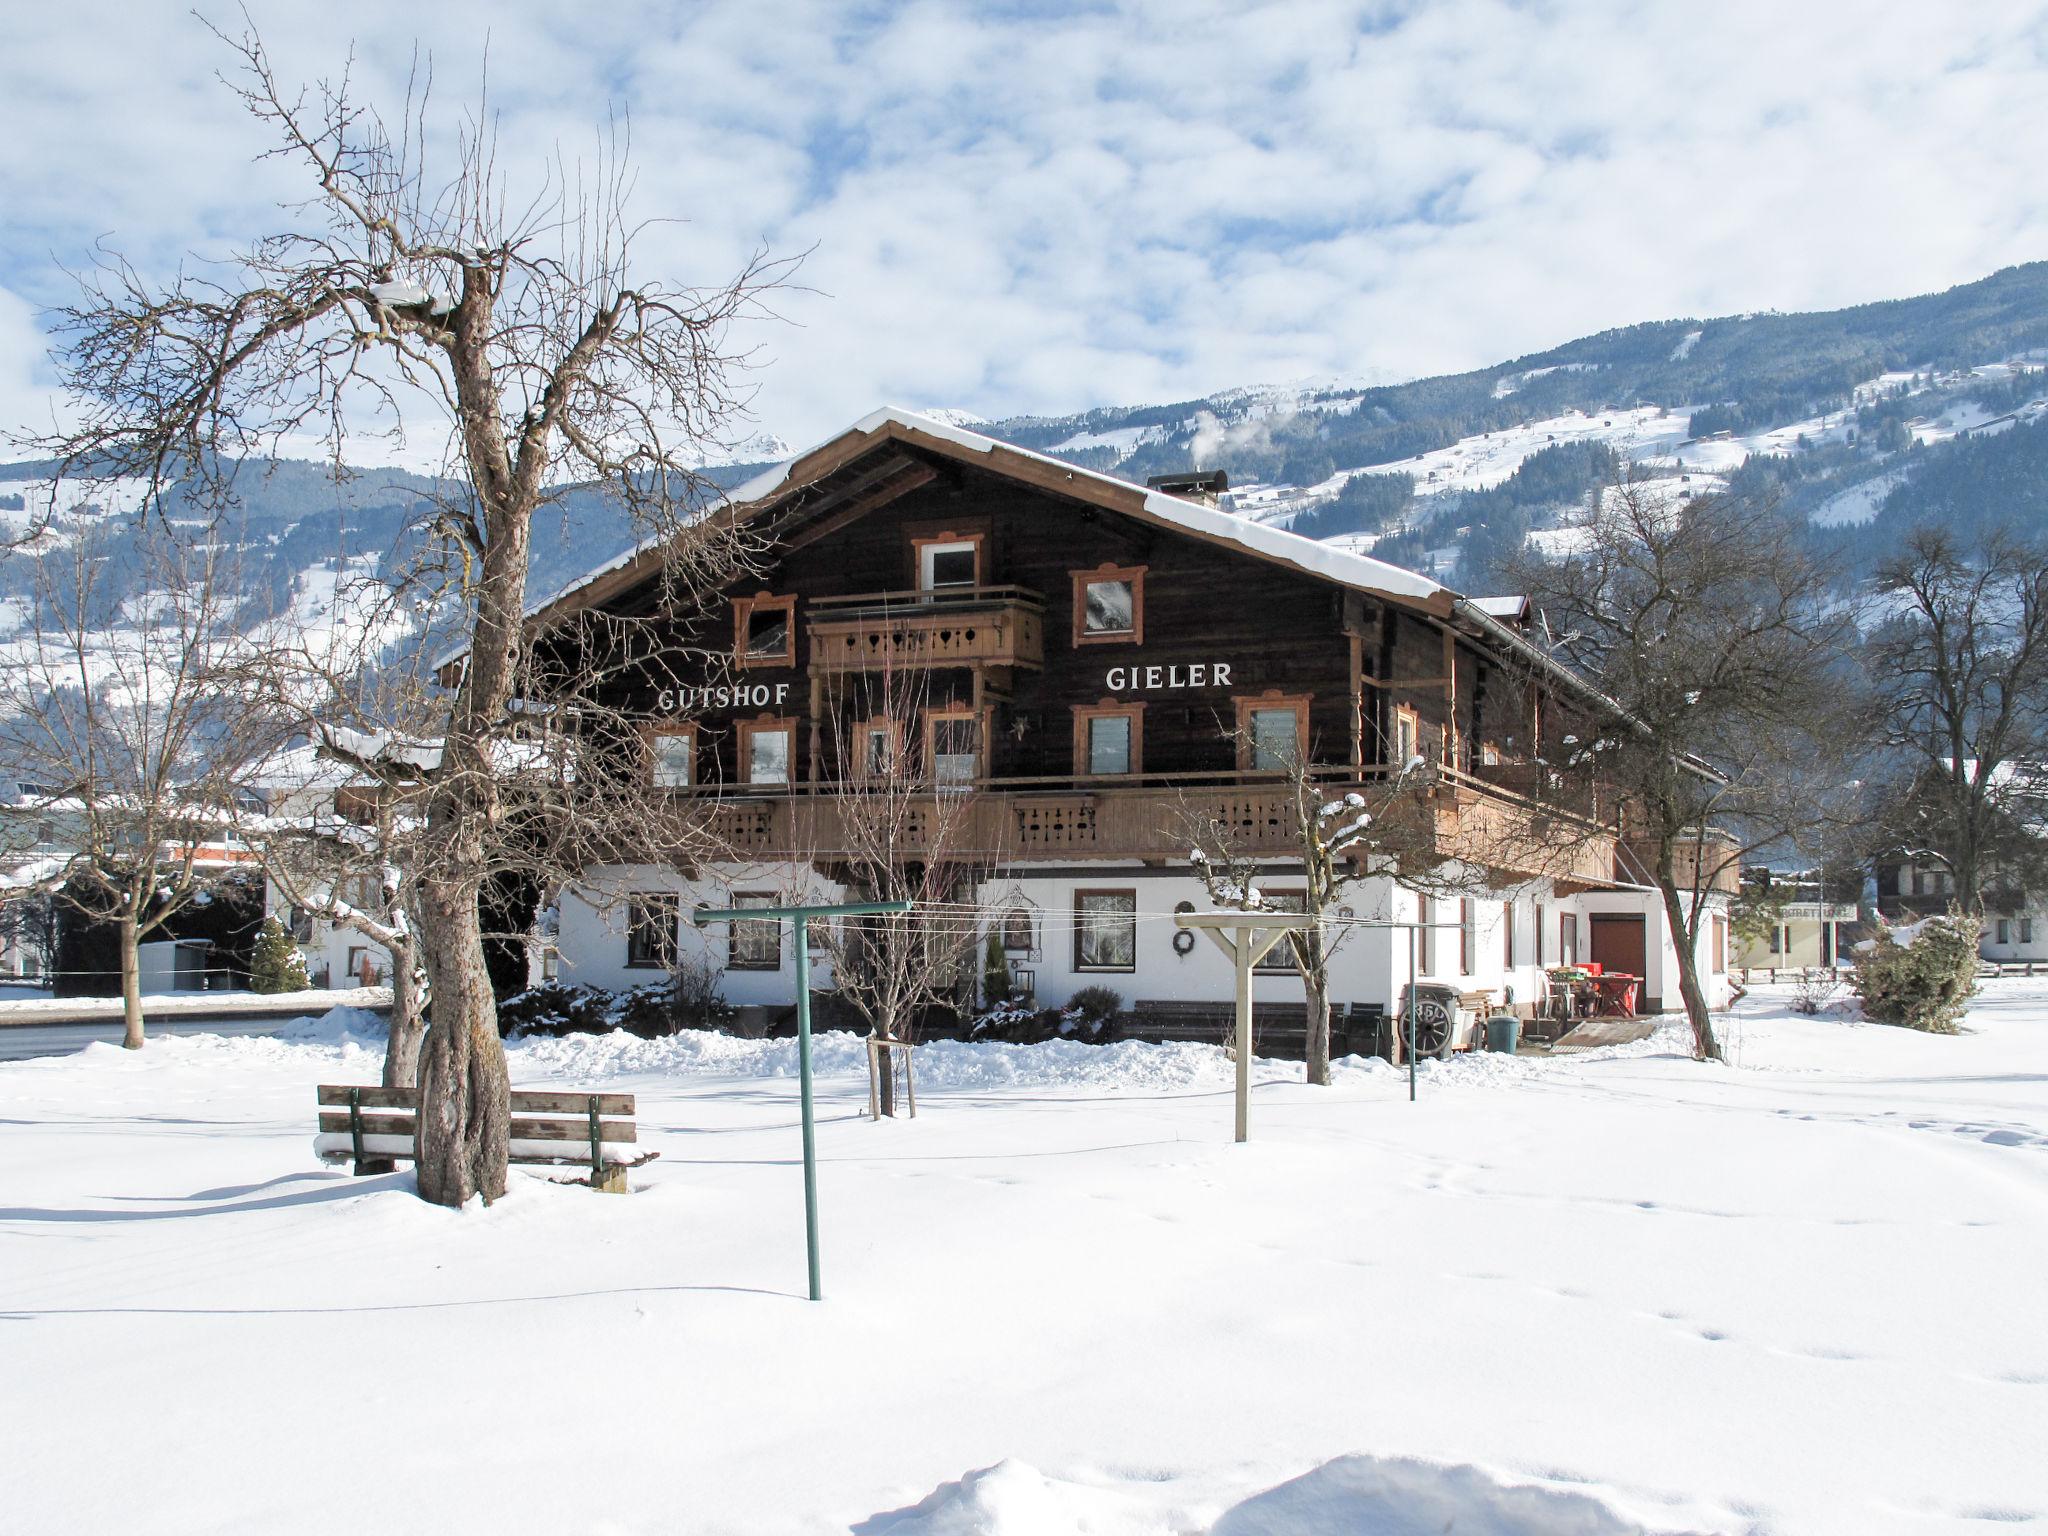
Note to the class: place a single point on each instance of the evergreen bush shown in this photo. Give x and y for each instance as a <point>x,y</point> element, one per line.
<point>1093,1012</point>
<point>276,964</point>
<point>1921,975</point>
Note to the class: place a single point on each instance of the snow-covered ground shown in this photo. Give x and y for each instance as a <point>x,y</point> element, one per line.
<point>1594,1294</point>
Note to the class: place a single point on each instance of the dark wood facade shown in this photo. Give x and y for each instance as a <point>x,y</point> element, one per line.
<point>1219,638</point>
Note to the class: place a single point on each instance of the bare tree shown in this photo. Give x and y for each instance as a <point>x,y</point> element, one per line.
<point>905,824</point>
<point>1710,631</point>
<point>115,708</point>
<point>521,317</point>
<point>1956,663</point>
<point>350,854</point>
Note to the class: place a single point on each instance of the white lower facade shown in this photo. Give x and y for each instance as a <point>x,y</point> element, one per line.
<point>1069,927</point>
<point>2012,937</point>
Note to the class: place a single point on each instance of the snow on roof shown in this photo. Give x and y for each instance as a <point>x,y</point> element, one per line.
<point>1501,607</point>
<point>1317,559</point>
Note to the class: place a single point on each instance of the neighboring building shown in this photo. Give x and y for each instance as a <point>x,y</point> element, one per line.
<point>1100,658</point>
<point>301,788</point>
<point>1811,932</point>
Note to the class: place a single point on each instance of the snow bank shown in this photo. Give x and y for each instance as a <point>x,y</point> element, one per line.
<point>1402,1497</point>
<point>1386,1496</point>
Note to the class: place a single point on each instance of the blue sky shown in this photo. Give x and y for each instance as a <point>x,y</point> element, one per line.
<point>1044,207</point>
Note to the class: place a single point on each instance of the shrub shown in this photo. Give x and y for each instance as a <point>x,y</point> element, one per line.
<point>276,964</point>
<point>1092,1011</point>
<point>1012,1020</point>
<point>1921,975</point>
<point>556,1008</point>
<point>995,970</point>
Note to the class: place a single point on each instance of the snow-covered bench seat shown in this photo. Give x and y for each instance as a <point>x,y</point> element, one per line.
<point>373,1128</point>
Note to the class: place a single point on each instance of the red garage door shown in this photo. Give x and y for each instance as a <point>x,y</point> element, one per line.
<point>1619,944</point>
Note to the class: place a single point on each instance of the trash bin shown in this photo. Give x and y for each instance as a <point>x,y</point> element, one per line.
<point>1502,1030</point>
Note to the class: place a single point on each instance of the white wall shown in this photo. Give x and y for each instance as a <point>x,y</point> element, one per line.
<point>2013,949</point>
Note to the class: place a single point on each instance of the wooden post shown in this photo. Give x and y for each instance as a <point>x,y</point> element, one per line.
<point>1245,937</point>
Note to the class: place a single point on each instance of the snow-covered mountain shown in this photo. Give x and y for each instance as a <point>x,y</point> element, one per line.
<point>1867,420</point>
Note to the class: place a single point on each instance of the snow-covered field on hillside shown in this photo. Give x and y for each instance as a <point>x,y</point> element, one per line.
<point>1599,1294</point>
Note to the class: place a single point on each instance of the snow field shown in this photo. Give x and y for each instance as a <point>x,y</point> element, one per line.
<point>1606,1293</point>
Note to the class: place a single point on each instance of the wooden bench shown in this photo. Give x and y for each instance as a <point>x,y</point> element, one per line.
<point>1278,1029</point>
<point>374,1128</point>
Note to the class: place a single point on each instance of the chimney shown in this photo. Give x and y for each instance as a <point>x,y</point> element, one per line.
<point>1203,485</point>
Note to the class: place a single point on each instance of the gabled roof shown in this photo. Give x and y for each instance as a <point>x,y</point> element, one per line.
<point>765,490</point>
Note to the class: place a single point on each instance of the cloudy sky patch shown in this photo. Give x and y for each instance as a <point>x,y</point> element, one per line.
<point>1041,208</point>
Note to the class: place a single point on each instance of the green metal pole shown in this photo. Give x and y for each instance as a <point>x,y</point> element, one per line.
<point>1414,1001</point>
<point>803,1067</point>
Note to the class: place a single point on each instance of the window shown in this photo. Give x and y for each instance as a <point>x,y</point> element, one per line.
<point>1568,939</point>
<point>878,744</point>
<point>1105,930</point>
<point>953,746</point>
<point>2004,931</point>
<point>1720,956</point>
<point>651,921</point>
<point>1539,934</point>
<point>1272,732</point>
<point>1777,939</point>
<point>1407,733</point>
<point>754,946</point>
<point>767,749</point>
<point>1468,920</point>
<point>1919,882</point>
<point>2026,930</point>
<point>1425,914</point>
<point>1108,738</point>
<point>672,754</point>
<point>1109,605</point>
<point>1279,960</point>
<point>1507,934</point>
<point>949,560</point>
<point>764,631</point>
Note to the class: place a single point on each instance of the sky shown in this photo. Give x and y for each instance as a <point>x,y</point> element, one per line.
<point>1013,208</point>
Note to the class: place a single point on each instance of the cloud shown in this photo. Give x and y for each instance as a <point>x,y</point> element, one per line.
<point>1045,208</point>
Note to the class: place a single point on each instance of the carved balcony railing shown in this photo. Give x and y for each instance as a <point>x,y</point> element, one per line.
<point>949,627</point>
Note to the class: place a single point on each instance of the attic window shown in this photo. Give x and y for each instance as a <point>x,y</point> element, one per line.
<point>948,562</point>
<point>1109,605</point>
<point>764,630</point>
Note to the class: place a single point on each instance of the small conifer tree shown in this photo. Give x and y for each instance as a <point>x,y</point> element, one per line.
<point>277,965</point>
<point>995,970</point>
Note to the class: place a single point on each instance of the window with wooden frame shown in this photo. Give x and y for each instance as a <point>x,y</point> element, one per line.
<point>877,747</point>
<point>1279,960</point>
<point>1539,934</point>
<point>1468,919</point>
<point>1568,938</point>
<point>1720,955</point>
<point>1425,935</point>
<point>1407,735</point>
<point>1272,732</point>
<point>672,754</point>
<point>1106,930</point>
<point>1507,935</point>
<point>1109,739</point>
<point>756,945</point>
<point>1109,605</point>
<point>652,918</point>
<point>946,560</point>
<point>955,745</point>
<point>764,631</point>
<point>768,750</point>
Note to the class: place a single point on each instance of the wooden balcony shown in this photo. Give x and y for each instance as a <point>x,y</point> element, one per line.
<point>950,627</point>
<point>1054,821</point>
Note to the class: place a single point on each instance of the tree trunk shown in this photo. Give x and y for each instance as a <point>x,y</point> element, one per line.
<point>885,1079</point>
<point>1315,982</point>
<point>131,985</point>
<point>465,1114</point>
<point>402,1048</point>
<point>1685,943</point>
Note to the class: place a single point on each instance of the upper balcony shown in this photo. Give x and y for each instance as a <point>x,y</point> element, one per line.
<point>943,627</point>
<point>1000,821</point>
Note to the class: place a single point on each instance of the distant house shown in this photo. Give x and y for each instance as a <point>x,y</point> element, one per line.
<point>1812,932</point>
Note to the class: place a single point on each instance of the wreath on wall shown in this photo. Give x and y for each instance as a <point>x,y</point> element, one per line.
<point>1184,938</point>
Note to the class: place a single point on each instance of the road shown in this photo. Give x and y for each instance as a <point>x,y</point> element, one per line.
<point>20,1042</point>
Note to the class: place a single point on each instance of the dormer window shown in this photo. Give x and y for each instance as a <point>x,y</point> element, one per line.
<point>764,631</point>
<point>1109,605</point>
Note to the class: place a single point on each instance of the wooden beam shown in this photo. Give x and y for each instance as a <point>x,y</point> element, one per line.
<point>866,499</point>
